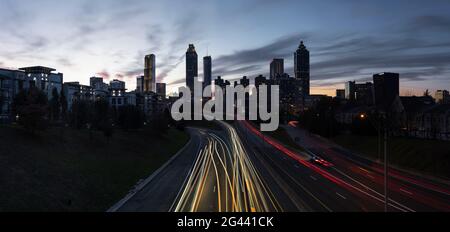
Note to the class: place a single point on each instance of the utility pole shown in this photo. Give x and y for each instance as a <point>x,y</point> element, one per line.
<point>382,128</point>
<point>386,199</point>
<point>379,141</point>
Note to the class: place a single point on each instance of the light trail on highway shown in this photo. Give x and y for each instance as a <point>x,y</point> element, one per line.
<point>238,169</point>
<point>224,179</point>
<point>324,173</point>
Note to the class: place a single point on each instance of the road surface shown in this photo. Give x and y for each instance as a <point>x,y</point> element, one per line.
<point>239,169</point>
<point>415,192</point>
<point>211,174</point>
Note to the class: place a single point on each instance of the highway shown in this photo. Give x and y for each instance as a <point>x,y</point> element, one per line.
<point>211,174</point>
<point>224,179</point>
<point>239,169</point>
<point>299,184</point>
<point>159,193</point>
<point>415,192</point>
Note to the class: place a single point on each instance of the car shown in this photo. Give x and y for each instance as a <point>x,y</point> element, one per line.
<point>319,161</point>
<point>293,123</point>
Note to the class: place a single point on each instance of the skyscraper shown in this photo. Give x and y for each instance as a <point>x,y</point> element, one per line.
<point>301,68</point>
<point>140,84</point>
<point>207,71</point>
<point>442,96</point>
<point>161,89</point>
<point>191,66</point>
<point>387,87</point>
<point>150,73</point>
<point>364,93</point>
<point>276,68</point>
<point>350,90</point>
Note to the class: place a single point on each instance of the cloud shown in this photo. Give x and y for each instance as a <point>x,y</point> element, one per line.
<point>430,22</point>
<point>64,62</point>
<point>119,76</point>
<point>339,58</point>
<point>154,38</point>
<point>105,74</point>
<point>185,31</point>
<point>99,31</point>
<point>281,47</point>
<point>169,67</point>
<point>133,73</point>
<point>177,82</point>
<point>238,70</point>
<point>416,59</point>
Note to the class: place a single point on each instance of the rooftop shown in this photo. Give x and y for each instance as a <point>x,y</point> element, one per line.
<point>38,69</point>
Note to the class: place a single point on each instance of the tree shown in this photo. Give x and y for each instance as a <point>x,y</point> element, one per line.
<point>426,93</point>
<point>321,118</point>
<point>363,126</point>
<point>107,128</point>
<point>2,100</point>
<point>63,103</point>
<point>101,113</point>
<point>159,124</point>
<point>130,117</point>
<point>80,114</point>
<point>31,107</point>
<point>55,106</point>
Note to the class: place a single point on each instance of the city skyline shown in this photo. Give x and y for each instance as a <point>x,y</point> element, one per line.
<point>88,39</point>
<point>239,106</point>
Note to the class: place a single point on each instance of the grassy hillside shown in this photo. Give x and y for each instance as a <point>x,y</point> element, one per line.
<point>71,170</point>
<point>428,156</point>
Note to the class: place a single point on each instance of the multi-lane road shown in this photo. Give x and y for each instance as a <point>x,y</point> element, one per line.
<point>224,179</point>
<point>213,173</point>
<point>416,192</point>
<point>239,169</point>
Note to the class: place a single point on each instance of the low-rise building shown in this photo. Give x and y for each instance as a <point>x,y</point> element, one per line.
<point>74,91</point>
<point>101,89</point>
<point>13,81</point>
<point>442,97</point>
<point>340,94</point>
<point>117,94</point>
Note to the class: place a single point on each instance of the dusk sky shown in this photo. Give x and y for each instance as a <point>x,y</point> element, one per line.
<point>348,40</point>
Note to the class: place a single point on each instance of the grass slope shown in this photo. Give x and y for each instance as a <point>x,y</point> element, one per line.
<point>427,156</point>
<point>67,170</point>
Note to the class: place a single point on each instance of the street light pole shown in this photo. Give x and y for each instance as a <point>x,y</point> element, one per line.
<point>386,199</point>
<point>382,125</point>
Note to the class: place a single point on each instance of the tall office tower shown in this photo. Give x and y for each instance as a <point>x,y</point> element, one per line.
<point>191,67</point>
<point>207,71</point>
<point>442,96</point>
<point>161,89</point>
<point>140,84</point>
<point>387,87</point>
<point>364,93</point>
<point>150,73</point>
<point>276,68</point>
<point>301,68</point>
<point>350,90</point>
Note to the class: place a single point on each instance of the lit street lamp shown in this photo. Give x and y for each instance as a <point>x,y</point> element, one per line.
<point>381,120</point>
